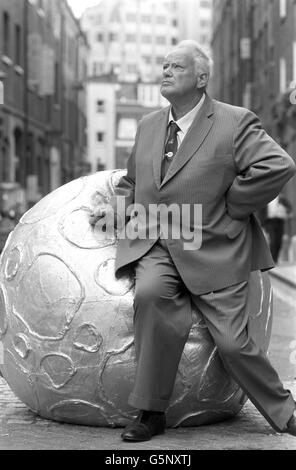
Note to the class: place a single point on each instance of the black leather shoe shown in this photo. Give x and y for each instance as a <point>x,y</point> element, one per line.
<point>146,425</point>
<point>291,426</point>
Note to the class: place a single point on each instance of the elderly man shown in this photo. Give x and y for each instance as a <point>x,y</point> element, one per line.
<point>199,151</point>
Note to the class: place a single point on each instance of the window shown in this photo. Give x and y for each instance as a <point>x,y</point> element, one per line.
<point>17,54</point>
<point>127,128</point>
<point>160,19</point>
<point>116,68</point>
<point>131,38</point>
<point>71,52</point>
<point>100,106</point>
<point>113,37</point>
<point>100,37</point>
<point>84,70</point>
<point>1,101</point>
<point>100,166</point>
<point>132,68</point>
<point>283,75</point>
<point>204,39</point>
<point>98,68</point>
<point>146,18</point>
<point>271,73</point>
<point>131,17</point>
<point>205,4</point>
<point>205,23</point>
<point>57,82</point>
<point>6,164</point>
<point>97,20</point>
<point>40,173</point>
<point>174,41</point>
<point>160,40</point>
<point>159,60</point>
<point>100,136</point>
<point>146,39</point>
<point>147,59</point>
<point>6,38</point>
<point>174,22</point>
<point>147,95</point>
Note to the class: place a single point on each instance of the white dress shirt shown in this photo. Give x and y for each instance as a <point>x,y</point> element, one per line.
<point>185,122</point>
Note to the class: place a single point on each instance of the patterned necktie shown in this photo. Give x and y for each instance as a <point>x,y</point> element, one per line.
<point>171,148</point>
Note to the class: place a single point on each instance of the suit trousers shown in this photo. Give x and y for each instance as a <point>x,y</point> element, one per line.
<point>162,322</point>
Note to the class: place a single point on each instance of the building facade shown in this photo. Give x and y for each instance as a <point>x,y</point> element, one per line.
<point>128,42</point>
<point>195,21</point>
<point>254,51</point>
<point>43,59</point>
<point>114,110</point>
<point>130,37</point>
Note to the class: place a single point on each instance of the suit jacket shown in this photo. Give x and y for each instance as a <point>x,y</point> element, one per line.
<point>227,163</point>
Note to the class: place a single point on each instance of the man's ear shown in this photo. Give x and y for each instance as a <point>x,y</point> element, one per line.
<point>202,80</point>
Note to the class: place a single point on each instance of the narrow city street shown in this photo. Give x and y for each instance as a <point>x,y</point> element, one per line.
<point>21,429</point>
<point>196,99</point>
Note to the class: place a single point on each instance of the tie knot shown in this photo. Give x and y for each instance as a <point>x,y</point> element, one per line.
<point>174,128</point>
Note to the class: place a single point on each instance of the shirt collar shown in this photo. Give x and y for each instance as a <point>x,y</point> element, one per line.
<point>185,122</point>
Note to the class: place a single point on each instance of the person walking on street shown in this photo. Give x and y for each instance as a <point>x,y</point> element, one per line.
<point>278,212</point>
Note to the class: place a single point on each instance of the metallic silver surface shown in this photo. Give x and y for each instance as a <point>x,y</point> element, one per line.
<point>66,323</point>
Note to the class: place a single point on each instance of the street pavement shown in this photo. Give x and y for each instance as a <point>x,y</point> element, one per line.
<point>20,429</point>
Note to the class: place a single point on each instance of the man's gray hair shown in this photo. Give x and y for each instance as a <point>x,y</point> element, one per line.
<point>202,56</point>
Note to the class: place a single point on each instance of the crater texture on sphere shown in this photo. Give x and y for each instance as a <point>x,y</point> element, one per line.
<point>66,322</point>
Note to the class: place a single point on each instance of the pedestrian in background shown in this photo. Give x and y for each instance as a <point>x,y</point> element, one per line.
<point>278,211</point>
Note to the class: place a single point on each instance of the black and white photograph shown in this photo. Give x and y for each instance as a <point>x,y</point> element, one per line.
<point>148,228</point>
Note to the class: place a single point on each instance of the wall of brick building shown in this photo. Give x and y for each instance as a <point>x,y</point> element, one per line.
<point>44,111</point>
<point>250,38</point>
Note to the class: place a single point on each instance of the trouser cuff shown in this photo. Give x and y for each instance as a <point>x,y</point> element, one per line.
<point>287,412</point>
<point>148,404</point>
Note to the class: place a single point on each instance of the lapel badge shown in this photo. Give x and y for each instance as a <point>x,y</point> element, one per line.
<point>169,155</point>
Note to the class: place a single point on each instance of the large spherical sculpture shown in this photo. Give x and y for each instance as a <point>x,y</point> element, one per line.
<point>66,322</point>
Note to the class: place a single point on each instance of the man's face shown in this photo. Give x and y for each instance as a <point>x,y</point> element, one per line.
<point>180,75</point>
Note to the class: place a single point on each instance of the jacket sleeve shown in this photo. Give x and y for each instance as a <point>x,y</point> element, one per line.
<point>125,190</point>
<point>263,168</point>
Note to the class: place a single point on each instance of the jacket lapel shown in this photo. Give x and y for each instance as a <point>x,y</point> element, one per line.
<point>197,133</point>
<point>159,135</point>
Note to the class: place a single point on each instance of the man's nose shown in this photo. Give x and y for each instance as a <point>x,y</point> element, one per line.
<point>167,72</point>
